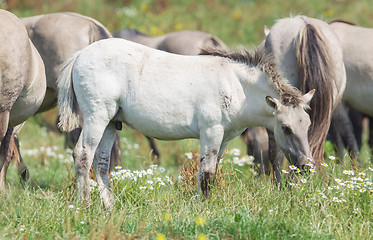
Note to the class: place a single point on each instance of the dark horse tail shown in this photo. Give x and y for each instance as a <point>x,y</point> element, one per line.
<point>316,71</point>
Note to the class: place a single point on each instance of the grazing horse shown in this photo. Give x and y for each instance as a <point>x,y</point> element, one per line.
<point>213,98</point>
<point>359,67</point>
<point>179,42</point>
<point>310,56</point>
<point>22,83</point>
<point>57,36</point>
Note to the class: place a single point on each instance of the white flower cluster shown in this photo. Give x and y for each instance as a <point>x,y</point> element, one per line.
<point>48,153</point>
<point>353,186</point>
<point>145,179</point>
<point>240,160</point>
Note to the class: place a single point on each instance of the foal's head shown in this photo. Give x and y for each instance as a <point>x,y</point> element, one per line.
<point>291,119</point>
<point>291,127</point>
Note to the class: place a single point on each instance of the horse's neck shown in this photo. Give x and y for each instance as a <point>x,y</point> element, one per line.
<point>257,111</point>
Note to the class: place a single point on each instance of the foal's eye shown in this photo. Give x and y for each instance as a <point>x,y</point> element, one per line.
<point>287,130</point>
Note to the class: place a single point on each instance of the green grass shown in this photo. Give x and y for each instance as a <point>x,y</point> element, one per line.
<point>247,208</point>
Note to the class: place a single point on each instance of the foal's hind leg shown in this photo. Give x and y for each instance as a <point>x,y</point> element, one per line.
<point>101,165</point>
<point>83,154</point>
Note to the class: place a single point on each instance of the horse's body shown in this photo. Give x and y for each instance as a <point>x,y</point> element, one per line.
<point>179,42</point>
<point>310,56</point>
<point>359,66</point>
<point>169,96</point>
<point>22,82</point>
<point>57,36</point>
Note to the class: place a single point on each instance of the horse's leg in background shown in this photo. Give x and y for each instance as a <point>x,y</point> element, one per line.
<point>101,165</point>
<point>253,138</point>
<point>5,158</point>
<point>116,152</point>
<point>210,141</point>
<point>17,157</point>
<point>71,138</point>
<point>154,148</point>
<point>275,157</point>
<point>370,140</point>
<point>336,139</point>
<point>84,151</point>
<point>250,150</point>
<point>356,118</point>
<point>342,122</point>
<point>4,121</point>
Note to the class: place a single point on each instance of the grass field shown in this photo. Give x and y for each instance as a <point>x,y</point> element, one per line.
<point>158,201</point>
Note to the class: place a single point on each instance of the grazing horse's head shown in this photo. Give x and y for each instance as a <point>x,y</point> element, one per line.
<point>291,129</point>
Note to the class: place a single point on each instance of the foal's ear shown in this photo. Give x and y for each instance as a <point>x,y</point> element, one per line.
<point>273,103</point>
<point>266,30</point>
<point>308,96</point>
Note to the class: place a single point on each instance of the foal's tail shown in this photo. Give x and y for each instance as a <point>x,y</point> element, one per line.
<point>316,71</point>
<point>67,104</point>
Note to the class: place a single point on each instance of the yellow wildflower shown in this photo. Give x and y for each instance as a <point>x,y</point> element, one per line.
<point>200,220</point>
<point>160,236</point>
<point>202,237</point>
<point>166,217</point>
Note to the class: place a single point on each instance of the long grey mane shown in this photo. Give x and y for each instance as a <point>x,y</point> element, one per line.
<point>261,58</point>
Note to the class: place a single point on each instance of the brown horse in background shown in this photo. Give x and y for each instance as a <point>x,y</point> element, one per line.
<point>309,54</point>
<point>22,84</point>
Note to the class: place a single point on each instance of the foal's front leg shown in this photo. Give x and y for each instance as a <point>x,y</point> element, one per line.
<point>210,141</point>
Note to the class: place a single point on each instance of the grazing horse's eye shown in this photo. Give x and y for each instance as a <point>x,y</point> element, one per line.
<point>287,130</point>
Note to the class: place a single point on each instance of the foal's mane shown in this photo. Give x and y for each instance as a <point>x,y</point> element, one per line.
<point>261,58</point>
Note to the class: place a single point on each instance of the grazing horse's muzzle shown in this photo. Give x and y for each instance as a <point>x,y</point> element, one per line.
<point>303,163</point>
<point>306,164</point>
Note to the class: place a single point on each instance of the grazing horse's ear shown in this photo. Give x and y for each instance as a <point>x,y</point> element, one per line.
<point>308,96</point>
<point>273,103</point>
<point>266,30</point>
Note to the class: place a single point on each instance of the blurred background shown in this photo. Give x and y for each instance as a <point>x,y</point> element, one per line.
<point>236,22</point>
